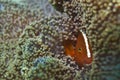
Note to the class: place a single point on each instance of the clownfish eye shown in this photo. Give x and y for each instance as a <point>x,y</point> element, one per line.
<point>79,49</point>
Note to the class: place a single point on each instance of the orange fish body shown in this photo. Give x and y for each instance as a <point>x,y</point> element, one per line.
<point>81,56</point>
<point>82,53</point>
<point>69,49</point>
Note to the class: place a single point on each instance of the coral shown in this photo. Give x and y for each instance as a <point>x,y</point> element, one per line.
<point>10,61</point>
<point>31,42</point>
<point>101,19</point>
<point>104,34</point>
<point>14,18</point>
<point>50,68</point>
<point>57,4</point>
<point>1,7</point>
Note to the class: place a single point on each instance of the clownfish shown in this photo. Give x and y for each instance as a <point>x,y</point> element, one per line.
<point>82,52</point>
<point>69,48</point>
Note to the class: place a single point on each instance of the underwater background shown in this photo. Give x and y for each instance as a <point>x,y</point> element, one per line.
<point>32,32</point>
